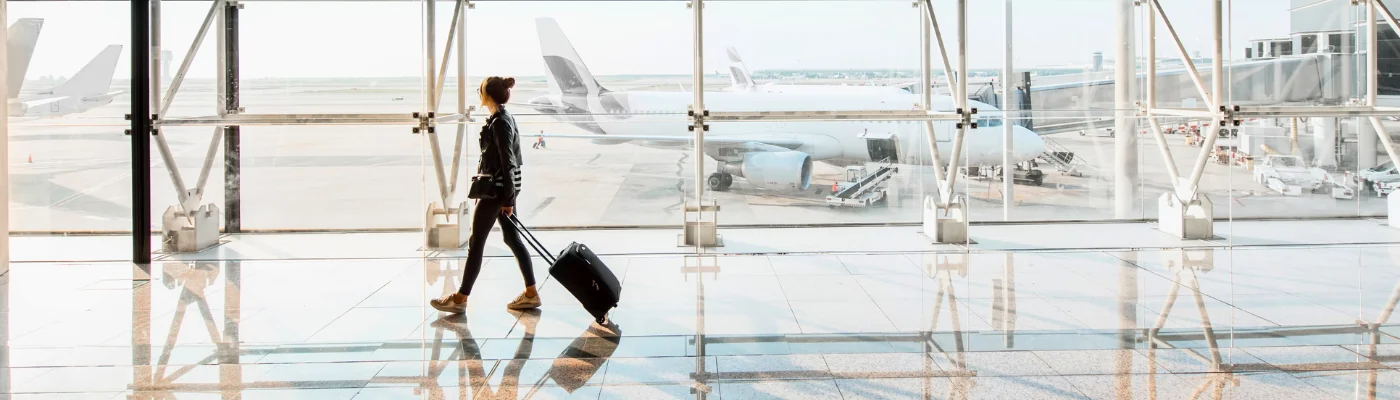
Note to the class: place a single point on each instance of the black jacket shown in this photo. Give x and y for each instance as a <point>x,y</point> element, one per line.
<point>500,154</point>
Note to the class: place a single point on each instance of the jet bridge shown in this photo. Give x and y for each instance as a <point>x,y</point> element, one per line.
<point>1082,101</point>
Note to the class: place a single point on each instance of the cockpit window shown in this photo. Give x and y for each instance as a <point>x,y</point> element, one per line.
<point>988,122</point>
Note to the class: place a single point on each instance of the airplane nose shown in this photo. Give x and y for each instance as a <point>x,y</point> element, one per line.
<point>1029,144</point>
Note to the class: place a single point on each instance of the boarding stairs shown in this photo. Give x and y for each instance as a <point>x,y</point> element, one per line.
<point>1062,158</point>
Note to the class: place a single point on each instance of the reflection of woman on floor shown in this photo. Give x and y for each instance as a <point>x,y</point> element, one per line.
<point>469,358</point>
<point>573,369</point>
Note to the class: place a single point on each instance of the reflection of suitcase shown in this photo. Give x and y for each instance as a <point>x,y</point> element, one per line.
<point>582,360</point>
<point>584,357</point>
<point>582,273</point>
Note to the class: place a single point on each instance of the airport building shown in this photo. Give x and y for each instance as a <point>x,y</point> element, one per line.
<point>700,200</point>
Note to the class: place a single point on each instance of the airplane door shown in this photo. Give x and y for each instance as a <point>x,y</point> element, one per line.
<point>54,107</point>
<point>883,146</point>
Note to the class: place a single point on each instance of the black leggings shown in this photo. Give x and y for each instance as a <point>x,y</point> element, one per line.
<point>487,213</point>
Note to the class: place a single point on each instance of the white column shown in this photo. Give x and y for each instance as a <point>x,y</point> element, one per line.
<point>4,153</point>
<point>698,7</point>
<point>1008,178</point>
<point>1125,165</point>
<point>1324,132</point>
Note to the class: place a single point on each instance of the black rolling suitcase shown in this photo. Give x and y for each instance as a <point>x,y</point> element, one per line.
<point>582,273</point>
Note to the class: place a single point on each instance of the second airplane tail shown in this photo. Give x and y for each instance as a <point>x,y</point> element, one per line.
<point>95,78</point>
<point>739,76</point>
<point>567,73</point>
<point>23,36</point>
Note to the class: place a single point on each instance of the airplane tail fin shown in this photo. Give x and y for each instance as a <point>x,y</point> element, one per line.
<point>23,36</point>
<point>95,78</point>
<point>739,75</point>
<point>567,73</point>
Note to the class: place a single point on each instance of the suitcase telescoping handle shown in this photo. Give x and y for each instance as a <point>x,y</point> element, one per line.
<point>533,241</point>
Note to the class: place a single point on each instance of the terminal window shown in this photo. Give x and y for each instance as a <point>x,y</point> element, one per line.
<point>1309,44</point>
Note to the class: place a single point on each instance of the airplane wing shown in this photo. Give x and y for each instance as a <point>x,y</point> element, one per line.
<point>787,143</point>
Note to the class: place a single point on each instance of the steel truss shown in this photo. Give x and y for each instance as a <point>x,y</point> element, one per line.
<point>229,116</point>
<point>1223,114</point>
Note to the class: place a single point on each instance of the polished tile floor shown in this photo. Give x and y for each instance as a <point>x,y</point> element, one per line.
<point>1280,322</point>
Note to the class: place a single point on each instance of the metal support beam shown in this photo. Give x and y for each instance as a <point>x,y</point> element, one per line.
<point>1151,93</point>
<point>1217,99</point>
<point>4,199</point>
<point>951,175</point>
<point>430,55</point>
<point>1181,51</point>
<point>942,51</point>
<point>155,57</point>
<point>698,90</point>
<point>461,96</point>
<point>1008,186</point>
<point>944,217</point>
<point>431,95</point>
<point>229,100</point>
<point>700,222</point>
<point>179,77</point>
<point>446,54</point>
<point>1373,70</point>
<point>803,116</point>
<point>236,119</point>
<point>446,227</point>
<point>140,130</point>
<point>926,77</point>
<point>1125,168</point>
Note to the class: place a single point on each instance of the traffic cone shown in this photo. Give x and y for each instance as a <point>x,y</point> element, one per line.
<point>31,158</point>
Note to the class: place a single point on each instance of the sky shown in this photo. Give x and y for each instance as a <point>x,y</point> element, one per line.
<point>384,39</point>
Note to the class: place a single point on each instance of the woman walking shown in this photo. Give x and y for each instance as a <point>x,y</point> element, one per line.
<point>499,165</point>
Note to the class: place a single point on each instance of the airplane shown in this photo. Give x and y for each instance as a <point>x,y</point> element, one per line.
<point>770,155</point>
<point>741,80</point>
<point>87,89</point>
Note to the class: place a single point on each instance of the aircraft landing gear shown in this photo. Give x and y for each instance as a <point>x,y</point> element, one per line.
<point>720,181</point>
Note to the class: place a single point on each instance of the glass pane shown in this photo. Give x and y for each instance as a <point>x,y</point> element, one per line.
<point>342,68</point>
<point>1301,165</point>
<point>616,150</point>
<point>813,172</point>
<point>1067,118</point>
<point>69,160</point>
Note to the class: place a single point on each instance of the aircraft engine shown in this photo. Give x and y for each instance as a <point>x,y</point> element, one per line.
<point>781,170</point>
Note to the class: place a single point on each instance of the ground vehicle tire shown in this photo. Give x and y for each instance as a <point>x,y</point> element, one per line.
<point>884,200</point>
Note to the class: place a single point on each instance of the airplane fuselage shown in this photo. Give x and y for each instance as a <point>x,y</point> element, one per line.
<point>835,142</point>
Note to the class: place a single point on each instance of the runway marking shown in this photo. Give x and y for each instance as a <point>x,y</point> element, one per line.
<point>542,205</point>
